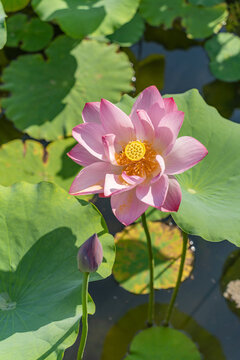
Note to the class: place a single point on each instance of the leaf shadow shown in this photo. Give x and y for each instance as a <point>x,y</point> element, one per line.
<point>132,259</point>
<point>45,287</point>
<point>86,19</point>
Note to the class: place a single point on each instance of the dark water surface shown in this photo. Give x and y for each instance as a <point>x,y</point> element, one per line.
<point>200,295</point>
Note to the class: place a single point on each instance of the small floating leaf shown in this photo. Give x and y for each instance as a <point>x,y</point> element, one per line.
<point>131,265</point>
<point>161,343</point>
<point>224,52</point>
<point>14,5</point>
<point>33,35</point>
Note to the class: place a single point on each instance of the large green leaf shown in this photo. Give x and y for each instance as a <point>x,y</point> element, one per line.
<point>121,334</point>
<point>30,162</point>
<point>131,265</point>
<point>78,18</point>
<point>33,35</point>
<point>42,228</point>
<point>161,343</point>
<point>210,204</point>
<point>224,53</point>
<point>200,22</point>
<point>47,97</point>
<point>3,31</point>
<point>14,5</point>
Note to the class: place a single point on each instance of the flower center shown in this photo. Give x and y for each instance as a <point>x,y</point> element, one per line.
<point>135,150</point>
<point>138,158</point>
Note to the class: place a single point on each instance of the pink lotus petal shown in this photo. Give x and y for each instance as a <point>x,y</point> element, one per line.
<point>143,127</point>
<point>186,153</point>
<point>127,207</point>
<point>91,112</point>
<point>132,179</point>
<point>170,105</point>
<point>89,135</point>
<point>174,196</point>
<point>145,100</point>
<point>173,121</point>
<point>116,183</point>
<point>91,179</point>
<point>81,156</point>
<point>156,112</point>
<point>153,194</point>
<point>164,139</point>
<point>161,163</point>
<point>110,147</point>
<point>116,122</point>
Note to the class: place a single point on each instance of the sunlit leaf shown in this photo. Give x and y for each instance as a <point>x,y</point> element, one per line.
<point>33,35</point>
<point>210,204</point>
<point>121,334</point>
<point>47,96</point>
<point>129,33</point>
<point>14,5</point>
<point>131,265</point>
<point>162,343</point>
<point>42,228</point>
<point>87,17</point>
<point>200,22</point>
<point>224,53</point>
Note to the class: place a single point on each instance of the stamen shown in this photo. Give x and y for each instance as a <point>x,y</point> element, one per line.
<point>138,158</point>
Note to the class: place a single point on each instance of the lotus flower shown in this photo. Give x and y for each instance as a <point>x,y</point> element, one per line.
<point>134,158</point>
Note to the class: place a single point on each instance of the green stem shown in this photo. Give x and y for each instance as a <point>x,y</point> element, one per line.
<point>84,316</point>
<point>151,272</point>
<point>179,278</point>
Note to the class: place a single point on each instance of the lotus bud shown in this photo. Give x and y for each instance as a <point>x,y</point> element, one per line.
<point>90,255</point>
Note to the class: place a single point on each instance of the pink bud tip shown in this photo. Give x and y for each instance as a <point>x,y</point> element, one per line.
<point>90,255</point>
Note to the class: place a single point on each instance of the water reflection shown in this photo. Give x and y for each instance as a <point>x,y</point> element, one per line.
<point>121,334</point>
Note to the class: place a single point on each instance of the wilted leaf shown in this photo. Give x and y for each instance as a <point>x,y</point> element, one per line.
<point>131,265</point>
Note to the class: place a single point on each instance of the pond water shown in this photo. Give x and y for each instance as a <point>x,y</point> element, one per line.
<point>200,295</point>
